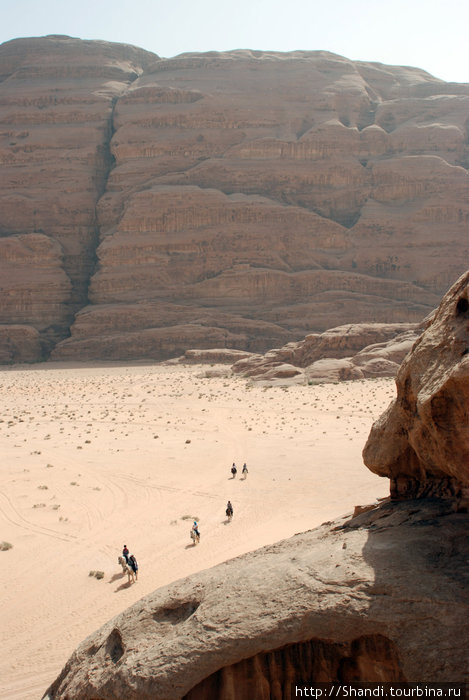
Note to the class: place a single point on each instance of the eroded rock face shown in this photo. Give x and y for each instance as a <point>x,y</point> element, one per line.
<point>56,104</point>
<point>20,344</point>
<point>268,194</point>
<point>35,287</point>
<point>381,596</point>
<point>353,351</point>
<point>422,442</point>
<point>269,674</point>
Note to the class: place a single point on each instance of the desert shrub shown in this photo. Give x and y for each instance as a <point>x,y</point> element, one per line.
<point>97,574</point>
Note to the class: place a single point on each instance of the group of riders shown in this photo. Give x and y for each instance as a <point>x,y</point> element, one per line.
<point>195,532</point>
<point>244,470</point>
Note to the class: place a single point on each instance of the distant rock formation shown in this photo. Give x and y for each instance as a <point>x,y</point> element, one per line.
<point>238,199</point>
<point>353,351</point>
<point>422,441</point>
<point>377,597</point>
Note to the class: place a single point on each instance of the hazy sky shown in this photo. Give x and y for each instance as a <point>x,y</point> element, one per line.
<point>429,34</point>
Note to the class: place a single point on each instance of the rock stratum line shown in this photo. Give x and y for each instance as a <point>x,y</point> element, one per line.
<point>239,199</point>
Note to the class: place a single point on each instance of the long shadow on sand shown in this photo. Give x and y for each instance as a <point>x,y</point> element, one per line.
<point>123,586</point>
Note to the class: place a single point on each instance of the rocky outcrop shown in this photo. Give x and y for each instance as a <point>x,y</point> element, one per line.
<point>377,597</point>
<point>287,192</point>
<point>421,442</point>
<point>354,351</point>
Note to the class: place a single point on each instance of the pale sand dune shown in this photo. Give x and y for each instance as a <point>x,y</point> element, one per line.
<point>88,434</point>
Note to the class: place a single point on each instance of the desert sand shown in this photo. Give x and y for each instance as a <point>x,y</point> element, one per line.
<point>95,457</point>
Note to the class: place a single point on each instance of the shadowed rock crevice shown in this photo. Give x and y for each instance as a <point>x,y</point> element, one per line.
<point>104,164</point>
<point>176,613</point>
<point>114,646</point>
<point>274,674</point>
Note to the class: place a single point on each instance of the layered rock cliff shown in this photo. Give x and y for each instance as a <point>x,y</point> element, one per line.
<point>57,98</point>
<point>235,199</point>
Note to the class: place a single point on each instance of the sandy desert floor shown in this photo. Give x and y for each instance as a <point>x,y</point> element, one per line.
<point>95,457</point>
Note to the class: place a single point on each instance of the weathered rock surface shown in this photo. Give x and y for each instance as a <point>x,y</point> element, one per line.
<point>160,331</point>
<point>57,98</point>
<point>379,597</point>
<point>353,351</point>
<point>286,192</point>
<point>422,441</point>
<point>35,289</point>
<point>20,344</point>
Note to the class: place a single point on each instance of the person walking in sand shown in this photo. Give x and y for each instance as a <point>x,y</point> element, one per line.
<point>234,471</point>
<point>125,554</point>
<point>245,470</point>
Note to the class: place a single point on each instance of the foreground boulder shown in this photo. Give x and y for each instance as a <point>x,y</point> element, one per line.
<point>422,441</point>
<point>382,596</point>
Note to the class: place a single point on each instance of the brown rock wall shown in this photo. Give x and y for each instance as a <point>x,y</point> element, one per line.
<point>115,329</point>
<point>278,673</point>
<point>35,289</point>
<point>20,344</point>
<point>161,179</point>
<point>56,104</point>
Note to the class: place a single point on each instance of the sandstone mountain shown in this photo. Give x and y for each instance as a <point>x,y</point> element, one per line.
<point>239,199</point>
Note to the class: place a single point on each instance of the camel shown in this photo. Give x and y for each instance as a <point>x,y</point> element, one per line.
<point>195,537</point>
<point>126,569</point>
